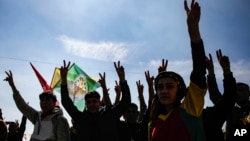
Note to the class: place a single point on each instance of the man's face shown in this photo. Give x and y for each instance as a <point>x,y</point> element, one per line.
<point>243,94</point>
<point>46,104</point>
<point>167,91</point>
<point>93,105</point>
<point>131,115</point>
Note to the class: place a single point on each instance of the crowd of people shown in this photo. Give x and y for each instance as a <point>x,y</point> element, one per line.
<point>174,111</point>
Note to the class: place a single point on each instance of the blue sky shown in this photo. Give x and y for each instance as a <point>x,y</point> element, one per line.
<point>95,33</point>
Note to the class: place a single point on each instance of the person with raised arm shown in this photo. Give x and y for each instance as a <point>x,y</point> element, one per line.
<point>96,123</point>
<point>176,111</point>
<point>215,116</point>
<point>105,99</point>
<point>49,123</point>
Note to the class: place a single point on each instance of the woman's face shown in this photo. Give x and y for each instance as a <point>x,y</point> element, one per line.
<point>167,91</point>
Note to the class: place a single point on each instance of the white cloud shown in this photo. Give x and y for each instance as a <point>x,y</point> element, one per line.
<point>105,51</point>
<point>241,71</point>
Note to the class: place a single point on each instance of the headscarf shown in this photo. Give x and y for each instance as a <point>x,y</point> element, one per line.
<point>181,84</point>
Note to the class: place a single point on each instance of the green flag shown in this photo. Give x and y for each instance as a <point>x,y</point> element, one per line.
<point>79,83</point>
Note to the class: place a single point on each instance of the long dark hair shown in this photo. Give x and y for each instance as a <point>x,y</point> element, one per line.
<point>156,107</point>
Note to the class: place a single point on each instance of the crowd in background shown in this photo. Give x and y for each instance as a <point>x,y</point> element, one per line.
<point>174,111</point>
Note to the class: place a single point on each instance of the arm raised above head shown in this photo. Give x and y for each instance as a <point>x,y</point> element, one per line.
<point>65,99</point>
<point>197,46</point>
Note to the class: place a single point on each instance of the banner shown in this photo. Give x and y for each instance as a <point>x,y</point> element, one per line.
<point>79,83</point>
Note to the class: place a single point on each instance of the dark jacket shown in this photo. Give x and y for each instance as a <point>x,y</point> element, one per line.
<point>137,131</point>
<point>235,124</point>
<point>198,75</point>
<point>102,126</point>
<point>3,130</point>
<point>215,116</point>
<point>233,114</point>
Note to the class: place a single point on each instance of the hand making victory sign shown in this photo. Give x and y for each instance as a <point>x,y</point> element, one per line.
<point>163,66</point>
<point>193,18</point>
<point>63,72</point>
<point>224,61</point>
<point>120,71</point>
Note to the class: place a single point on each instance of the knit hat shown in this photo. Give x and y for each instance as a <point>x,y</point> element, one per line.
<point>92,94</point>
<point>48,94</point>
<point>181,84</point>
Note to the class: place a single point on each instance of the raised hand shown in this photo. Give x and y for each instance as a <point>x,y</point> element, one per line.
<point>193,18</point>
<point>117,92</point>
<point>193,13</point>
<point>120,71</point>
<point>63,72</point>
<point>163,66</point>
<point>102,80</point>
<point>224,61</point>
<point>210,65</point>
<point>117,88</point>
<point>140,88</point>
<point>9,79</point>
<point>143,105</point>
<point>150,81</point>
<point>105,99</point>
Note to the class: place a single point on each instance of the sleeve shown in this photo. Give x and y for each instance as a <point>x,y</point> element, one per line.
<point>226,104</point>
<point>125,100</point>
<point>68,104</point>
<point>194,100</point>
<point>214,93</point>
<point>143,109</point>
<point>26,110</point>
<point>218,114</point>
<point>22,127</point>
<point>63,133</point>
<point>145,121</point>
<point>198,75</point>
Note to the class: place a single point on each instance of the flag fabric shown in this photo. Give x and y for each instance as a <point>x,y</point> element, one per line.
<point>79,83</point>
<point>55,79</point>
<point>44,84</point>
